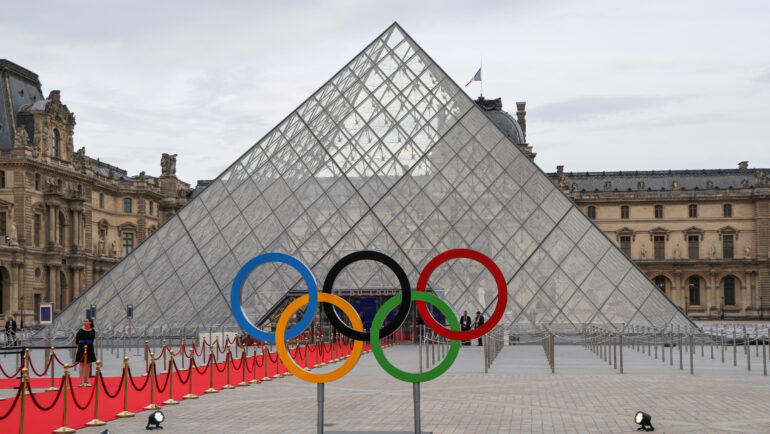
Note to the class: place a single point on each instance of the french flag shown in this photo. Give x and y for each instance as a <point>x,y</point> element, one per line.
<point>476,77</point>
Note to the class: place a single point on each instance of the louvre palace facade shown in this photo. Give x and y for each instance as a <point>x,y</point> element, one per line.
<point>65,218</point>
<point>700,235</point>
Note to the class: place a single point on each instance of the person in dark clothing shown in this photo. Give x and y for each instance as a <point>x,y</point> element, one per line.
<point>85,337</point>
<point>465,324</point>
<point>478,322</point>
<point>10,330</point>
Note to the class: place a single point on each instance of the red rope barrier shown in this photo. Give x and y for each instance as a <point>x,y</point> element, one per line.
<point>117,391</point>
<point>37,404</point>
<point>75,400</point>
<point>18,371</point>
<point>15,401</point>
<point>146,379</point>
<point>40,374</point>
<point>165,385</point>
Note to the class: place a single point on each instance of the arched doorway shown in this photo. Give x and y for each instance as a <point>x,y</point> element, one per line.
<point>728,291</point>
<point>663,283</point>
<point>694,286</point>
<point>5,291</point>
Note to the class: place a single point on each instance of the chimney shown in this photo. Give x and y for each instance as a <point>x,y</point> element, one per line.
<point>559,169</point>
<point>520,116</point>
<point>743,165</point>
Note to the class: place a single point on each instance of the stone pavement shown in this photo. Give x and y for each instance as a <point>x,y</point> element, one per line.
<point>519,394</point>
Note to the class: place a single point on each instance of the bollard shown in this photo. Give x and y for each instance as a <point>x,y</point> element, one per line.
<point>190,394</point>
<point>211,375</point>
<point>152,377</point>
<point>692,350</point>
<point>24,392</point>
<point>255,380</point>
<point>171,400</point>
<point>735,350</point>
<point>671,348</point>
<point>64,428</point>
<point>95,421</point>
<point>681,365</point>
<point>125,412</point>
<point>243,368</point>
<point>264,362</point>
<point>52,388</point>
<point>747,349</point>
<point>764,356</point>
<point>620,348</point>
<point>228,362</point>
<point>615,351</point>
<point>711,345</point>
<point>722,346</point>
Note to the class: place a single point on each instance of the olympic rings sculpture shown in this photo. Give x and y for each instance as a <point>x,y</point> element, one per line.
<point>356,332</point>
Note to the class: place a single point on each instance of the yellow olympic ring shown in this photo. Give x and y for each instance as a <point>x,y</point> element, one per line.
<point>280,343</point>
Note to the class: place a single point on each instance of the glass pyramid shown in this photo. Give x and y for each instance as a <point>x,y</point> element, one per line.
<point>388,155</point>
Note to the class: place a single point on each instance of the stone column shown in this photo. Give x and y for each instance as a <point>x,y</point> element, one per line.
<point>51,225</point>
<point>75,230</point>
<point>75,282</point>
<point>52,292</point>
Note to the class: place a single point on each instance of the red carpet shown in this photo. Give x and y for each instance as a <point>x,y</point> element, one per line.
<point>43,414</point>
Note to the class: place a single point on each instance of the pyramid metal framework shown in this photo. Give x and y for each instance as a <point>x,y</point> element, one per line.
<point>388,155</point>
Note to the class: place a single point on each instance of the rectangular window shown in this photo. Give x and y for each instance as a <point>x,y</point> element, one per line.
<point>625,245</point>
<point>727,210</point>
<point>151,207</point>
<point>624,212</point>
<point>729,287</point>
<point>101,200</point>
<point>727,247</point>
<point>2,178</point>
<point>127,205</point>
<point>658,211</point>
<point>660,247</point>
<point>3,216</point>
<point>128,243</point>
<point>592,212</point>
<point>692,246</point>
<point>693,211</point>
<point>695,291</point>
<point>36,229</point>
<point>37,307</point>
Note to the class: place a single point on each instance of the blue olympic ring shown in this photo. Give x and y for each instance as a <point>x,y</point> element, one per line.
<point>235,295</point>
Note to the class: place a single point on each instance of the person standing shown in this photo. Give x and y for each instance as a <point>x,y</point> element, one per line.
<point>478,322</point>
<point>465,324</point>
<point>10,331</point>
<point>85,338</point>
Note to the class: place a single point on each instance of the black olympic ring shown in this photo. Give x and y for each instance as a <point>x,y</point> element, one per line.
<point>406,291</point>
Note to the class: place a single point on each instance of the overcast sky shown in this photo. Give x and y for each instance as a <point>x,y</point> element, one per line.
<point>609,85</point>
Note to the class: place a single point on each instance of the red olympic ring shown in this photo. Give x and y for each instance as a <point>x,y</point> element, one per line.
<point>502,294</point>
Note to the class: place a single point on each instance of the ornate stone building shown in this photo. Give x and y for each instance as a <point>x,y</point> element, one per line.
<point>65,218</point>
<point>701,235</point>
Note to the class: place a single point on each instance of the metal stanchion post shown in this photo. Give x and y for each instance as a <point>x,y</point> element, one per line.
<point>320,388</point>
<point>190,376</point>
<point>748,349</point>
<point>620,348</point>
<point>125,412</point>
<point>95,421</point>
<point>228,362</point>
<point>681,364</point>
<point>53,368</point>
<point>671,348</point>
<point>64,428</point>
<point>171,400</point>
<point>152,378</point>
<point>24,391</point>
<point>692,350</point>
<point>615,351</point>
<point>735,349</point>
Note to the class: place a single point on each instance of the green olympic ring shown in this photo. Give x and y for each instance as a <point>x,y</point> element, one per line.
<point>379,317</point>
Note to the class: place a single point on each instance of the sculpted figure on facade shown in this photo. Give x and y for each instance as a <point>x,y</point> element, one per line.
<point>677,252</point>
<point>114,250</point>
<point>168,164</point>
<point>574,187</point>
<point>713,251</point>
<point>644,251</point>
<point>747,251</point>
<point>21,139</point>
<point>79,160</point>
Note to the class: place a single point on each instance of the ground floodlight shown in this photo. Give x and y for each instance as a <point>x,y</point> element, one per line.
<point>156,417</point>
<point>644,421</point>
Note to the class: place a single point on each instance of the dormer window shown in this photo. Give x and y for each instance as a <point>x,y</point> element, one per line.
<point>55,143</point>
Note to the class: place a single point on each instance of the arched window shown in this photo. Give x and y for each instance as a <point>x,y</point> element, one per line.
<point>62,229</point>
<point>693,211</point>
<point>592,212</point>
<point>55,143</point>
<point>624,212</point>
<point>694,284</point>
<point>728,285</point>
<point>661,282</point>
<point>727,210</point>
<point>658,211</point>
